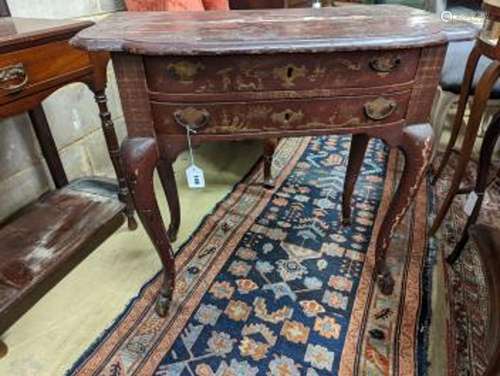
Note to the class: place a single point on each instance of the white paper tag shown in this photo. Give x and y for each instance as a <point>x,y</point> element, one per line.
<point>470,203</point>
<point>195,177</point>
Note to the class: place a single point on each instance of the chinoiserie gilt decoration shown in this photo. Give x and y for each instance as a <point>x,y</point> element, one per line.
<point>242,75</point>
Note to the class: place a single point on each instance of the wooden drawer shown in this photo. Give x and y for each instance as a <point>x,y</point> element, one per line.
<point>323,113</point>
<point>33,69</point>
<point>279,72</point>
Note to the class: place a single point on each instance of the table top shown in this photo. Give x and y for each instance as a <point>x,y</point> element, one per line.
<point>268,31</point>
<point>18,32</point>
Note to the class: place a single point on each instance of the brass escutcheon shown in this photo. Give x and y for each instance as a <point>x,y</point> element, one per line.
<point>287,117</point>
<point>289,73</point>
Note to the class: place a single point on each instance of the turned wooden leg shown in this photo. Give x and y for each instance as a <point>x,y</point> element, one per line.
<point>487,148</point>
<point>167,177</point>
<point>481,97</point>
<point>269,149</point>
<point>416,146</point>
<point>140,157</point>
<point>359,143</point>
<point>3,349</point>
<point>465,89</point>
<point>114,153</point>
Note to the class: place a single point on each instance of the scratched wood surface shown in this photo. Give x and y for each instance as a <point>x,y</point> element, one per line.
<point>358,27</point>
<point>58,228</point>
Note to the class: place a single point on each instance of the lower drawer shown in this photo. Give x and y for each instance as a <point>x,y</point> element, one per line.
<point>276,115</point>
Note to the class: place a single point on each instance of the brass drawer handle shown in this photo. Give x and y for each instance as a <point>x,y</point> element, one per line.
<point>385,64</point>
<point>380,108</point>
<point>192,118</point>
<point>13,72</point>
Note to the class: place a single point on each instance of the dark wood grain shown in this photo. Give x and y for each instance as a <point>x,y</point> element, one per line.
<point>48,146</point>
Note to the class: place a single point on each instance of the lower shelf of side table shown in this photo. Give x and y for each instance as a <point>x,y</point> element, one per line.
<point>44,241</point>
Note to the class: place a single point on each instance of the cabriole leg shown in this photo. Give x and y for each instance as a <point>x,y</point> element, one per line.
<point>114,153</point>
<point>3,349</point>
<point>167,177</point>
<point>140,158</point>
<point>269,149</point>
<point>359,143</point>
<point>416,146</point>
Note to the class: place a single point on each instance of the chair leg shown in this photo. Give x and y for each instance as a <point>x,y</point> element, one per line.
<point>487,148</point>
<point>470,69</point>
<point>438,119</point>
<point>269,149</point>
<point>481,96</point>
<point>359,143</point>
<point>3,349</point>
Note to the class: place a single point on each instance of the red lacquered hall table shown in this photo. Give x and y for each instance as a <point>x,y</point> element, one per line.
<point>361,70</point>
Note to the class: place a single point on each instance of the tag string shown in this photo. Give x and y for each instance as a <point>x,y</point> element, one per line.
<point>190,148</point>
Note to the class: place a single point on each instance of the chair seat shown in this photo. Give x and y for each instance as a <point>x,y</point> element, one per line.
<point>454,68</point>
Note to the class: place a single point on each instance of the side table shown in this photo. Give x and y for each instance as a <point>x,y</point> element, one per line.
<point>272,73</point>
<point>45,240</point>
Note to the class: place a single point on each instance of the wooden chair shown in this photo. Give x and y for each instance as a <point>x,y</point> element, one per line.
<point>487,240</point>
<point>487,148</point>
<point>450,86</point>
<point>487,44</point>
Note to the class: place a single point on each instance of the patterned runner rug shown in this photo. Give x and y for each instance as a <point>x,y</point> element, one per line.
<point>271,283</point>
<point>465,284</point>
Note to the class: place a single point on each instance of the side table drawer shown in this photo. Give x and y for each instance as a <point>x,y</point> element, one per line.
<point>278,72</point>
<point>32,69</point>
<point>322,113</point>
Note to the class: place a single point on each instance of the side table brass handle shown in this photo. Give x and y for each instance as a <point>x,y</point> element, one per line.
<point>13,73</point>
<point>380,108</point>
<point>192,118</point>
<point>385,64</point>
